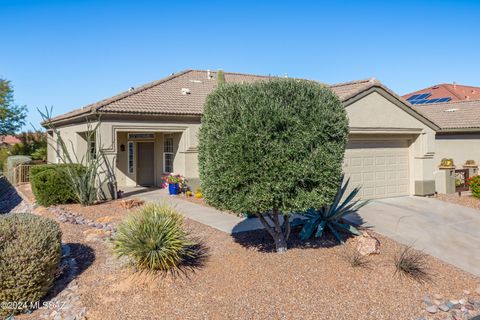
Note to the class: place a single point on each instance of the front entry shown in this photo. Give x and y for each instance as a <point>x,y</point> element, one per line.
<point>145,164</point>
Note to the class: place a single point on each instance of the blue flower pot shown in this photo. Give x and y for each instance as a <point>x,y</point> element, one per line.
<point>173,189</point>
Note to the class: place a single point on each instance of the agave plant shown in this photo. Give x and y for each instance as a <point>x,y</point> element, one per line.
<point>331,216</point>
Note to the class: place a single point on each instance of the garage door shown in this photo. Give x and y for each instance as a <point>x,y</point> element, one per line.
<point>380,167</point>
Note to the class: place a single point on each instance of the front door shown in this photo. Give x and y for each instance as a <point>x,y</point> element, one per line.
<point>145,164</point>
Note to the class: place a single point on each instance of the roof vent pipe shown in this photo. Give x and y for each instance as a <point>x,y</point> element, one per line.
<point>209,76</point>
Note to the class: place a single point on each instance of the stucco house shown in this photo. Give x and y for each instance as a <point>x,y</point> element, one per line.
<point>458,136</point>
<point>150,131</point>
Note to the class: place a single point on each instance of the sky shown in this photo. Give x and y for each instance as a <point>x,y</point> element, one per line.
<point>67,54</point>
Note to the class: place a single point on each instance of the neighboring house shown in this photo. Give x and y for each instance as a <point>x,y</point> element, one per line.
<point>8,141</point>
<point>444,92</point>
<point>152,130</point>
<point>459,134</point>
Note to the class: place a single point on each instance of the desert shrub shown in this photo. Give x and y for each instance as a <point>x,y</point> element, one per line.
<point>355,258</point>
<point>50,183</point>
<point>4,153</point>
<point>412,264</point>
<point>30,252</point>
<point>271,148</point>
<point>154,239</point>
<point>32,144</point>
<point>474,185</point>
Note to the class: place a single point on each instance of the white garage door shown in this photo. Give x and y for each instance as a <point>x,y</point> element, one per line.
<point>381,168</point>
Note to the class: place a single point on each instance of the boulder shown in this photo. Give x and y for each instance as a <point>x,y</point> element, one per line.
<point>366,244</point>
<point>131,203</point>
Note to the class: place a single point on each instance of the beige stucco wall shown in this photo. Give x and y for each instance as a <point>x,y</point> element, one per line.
<point>459,146</point>
<point>380,116</point>
<point>373,116</point>
<point>74,141</point>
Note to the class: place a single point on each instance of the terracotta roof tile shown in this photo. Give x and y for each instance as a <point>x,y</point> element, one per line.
<point>452,115</point>
<point>10,140</point>
<point>455,91</point>
<point>165,96</point>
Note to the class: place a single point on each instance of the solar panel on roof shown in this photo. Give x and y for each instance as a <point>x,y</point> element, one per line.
<point>418,101</point>
<point>413,97</point>
<point>432,101</point>
<point>444,99</point>
<point>423,96</point>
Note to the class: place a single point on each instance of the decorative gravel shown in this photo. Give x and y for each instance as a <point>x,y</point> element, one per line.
<point>466,199</point>
<point>244,279</point>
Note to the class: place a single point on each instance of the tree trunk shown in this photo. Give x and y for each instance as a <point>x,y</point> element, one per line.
<point>276,230</point>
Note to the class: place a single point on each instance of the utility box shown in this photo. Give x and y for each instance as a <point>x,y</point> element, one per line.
<point>445,180</point>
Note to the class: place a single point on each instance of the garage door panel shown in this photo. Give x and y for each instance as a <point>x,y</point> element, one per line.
<point>381,168</point>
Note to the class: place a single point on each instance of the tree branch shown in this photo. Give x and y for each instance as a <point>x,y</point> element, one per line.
<point>267,225</point>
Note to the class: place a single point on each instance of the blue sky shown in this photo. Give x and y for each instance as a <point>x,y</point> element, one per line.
<point>67,54</point>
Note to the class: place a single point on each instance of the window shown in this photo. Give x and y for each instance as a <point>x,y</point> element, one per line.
<point>130,156</point>
<point>93,149</point>
<point>58,149</point>
<point>168,155</point>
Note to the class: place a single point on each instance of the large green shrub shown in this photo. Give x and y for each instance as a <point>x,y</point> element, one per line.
<point>272,147</point>
<point>154,239</point>
<point>50,183</point>
<point>30,252</point>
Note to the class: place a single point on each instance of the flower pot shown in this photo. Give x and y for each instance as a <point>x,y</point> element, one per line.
<point>173,188</point>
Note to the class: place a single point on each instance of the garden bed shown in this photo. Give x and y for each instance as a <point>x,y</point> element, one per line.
<point>243,278</point>
<point>466,199</point>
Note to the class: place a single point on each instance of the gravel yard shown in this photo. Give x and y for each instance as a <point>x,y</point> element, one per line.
<point>466,199</point>
<point>243,279</point>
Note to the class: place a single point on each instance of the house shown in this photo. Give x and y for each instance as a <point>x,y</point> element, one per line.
<point>444,92</point>
<point>458,136</point>
<point>152,130</point>
<point>8,141</point>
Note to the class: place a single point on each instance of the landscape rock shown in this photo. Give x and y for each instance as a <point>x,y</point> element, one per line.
<point>366,244</point>
<point>131,203</point>
<point>96,234</point>
<point>431,309</point>
<point>443,307</point>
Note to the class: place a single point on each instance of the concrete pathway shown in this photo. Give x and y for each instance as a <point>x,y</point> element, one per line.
<point>447,231</point>
<point>223,221</point>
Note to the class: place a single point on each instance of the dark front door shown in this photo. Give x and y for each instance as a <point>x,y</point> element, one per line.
<point>145,164</point>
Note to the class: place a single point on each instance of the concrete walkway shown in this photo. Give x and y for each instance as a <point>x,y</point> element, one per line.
<point>447,231</point>
<point>222,221</point>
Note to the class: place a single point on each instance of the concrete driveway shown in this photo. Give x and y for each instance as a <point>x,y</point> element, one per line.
<point>447,231</point>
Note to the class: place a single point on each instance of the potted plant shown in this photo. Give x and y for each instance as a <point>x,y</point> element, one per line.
<point>175,183</point>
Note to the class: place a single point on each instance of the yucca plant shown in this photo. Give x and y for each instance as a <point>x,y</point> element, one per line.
<point>331,216</point>
<point>155,240</point>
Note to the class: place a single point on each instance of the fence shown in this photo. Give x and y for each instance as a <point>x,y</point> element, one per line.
<point>19,174</point>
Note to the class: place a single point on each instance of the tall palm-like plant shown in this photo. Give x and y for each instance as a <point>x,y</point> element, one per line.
<point>331,216</point>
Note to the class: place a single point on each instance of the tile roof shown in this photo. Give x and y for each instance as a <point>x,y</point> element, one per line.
<point>10,140</point>
<point>165,96</point>
<point>452,115</point>
<point>455,91</point>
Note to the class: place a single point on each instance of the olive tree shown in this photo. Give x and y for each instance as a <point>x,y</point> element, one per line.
<point>271,148</point>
